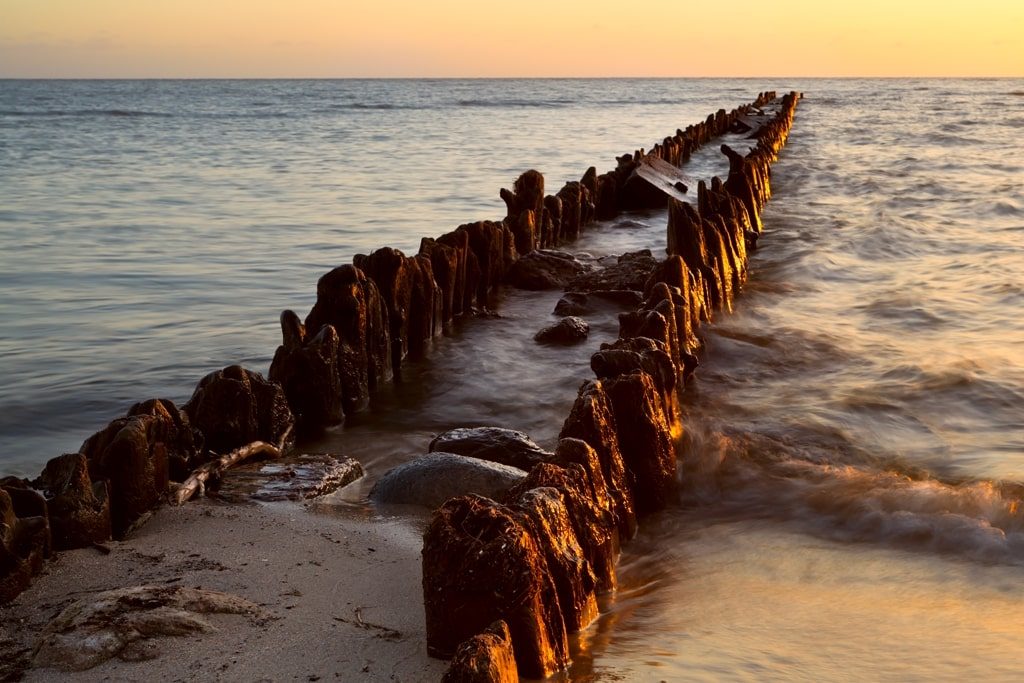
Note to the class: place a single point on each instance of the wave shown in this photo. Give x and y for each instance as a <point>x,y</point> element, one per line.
<point>754,476</point>
<point>515,103</point>
<point>130,113</point>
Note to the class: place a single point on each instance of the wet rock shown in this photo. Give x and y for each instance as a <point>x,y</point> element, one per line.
<point>579,303</point>
<point>629,272</point>
<point>79,508</point>
<point>307,370</point>
<point>487,657</point>
<point>350,302</point>
<point>293,477</point>
<point>645,438</point>
<point>592,421</point>
<point>434,478</point>
<point>545,269</point>
<point>496,444</point>
<point>112,624</point>
<point>482,564</point>
<point>234,407</point>
<point>546,516</point>
<point>131,456</point>
<point>568,330</point>
<point>24,545</point>
<point>592,519</point>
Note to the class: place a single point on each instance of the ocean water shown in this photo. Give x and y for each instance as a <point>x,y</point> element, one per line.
<point>854,440</point>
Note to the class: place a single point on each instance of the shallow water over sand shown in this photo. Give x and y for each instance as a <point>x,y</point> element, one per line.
<point>854,449</point>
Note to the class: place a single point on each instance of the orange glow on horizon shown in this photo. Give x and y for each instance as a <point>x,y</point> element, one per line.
<point>464,38</point>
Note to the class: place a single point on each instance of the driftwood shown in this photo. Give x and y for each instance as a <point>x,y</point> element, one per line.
<point>197,480</point>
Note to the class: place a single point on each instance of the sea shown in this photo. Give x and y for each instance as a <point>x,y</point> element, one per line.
<point>853,450</point>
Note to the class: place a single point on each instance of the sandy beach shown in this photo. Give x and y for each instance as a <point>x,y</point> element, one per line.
<point>340,597</point>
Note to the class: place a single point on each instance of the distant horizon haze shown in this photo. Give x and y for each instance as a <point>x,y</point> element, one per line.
<point>463,39</point>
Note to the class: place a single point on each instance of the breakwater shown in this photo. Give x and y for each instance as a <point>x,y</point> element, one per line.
<point>127,468</point>
<point>510,580</point>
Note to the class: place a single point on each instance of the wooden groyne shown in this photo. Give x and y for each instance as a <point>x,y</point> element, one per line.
<point>369,317</point>
<point>510,580</point>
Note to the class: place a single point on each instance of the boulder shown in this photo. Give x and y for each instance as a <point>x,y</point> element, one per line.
<point>496,444</point>
<point>487,657</point>
<point>434,478</point>
<point>568,330</point>
<point>545,269</point>
<point>630,271</point>
<point>545,514</point>
<point>580,303</point>
<point>645,439</point>
<point>592,421</point>
<point>307,370</point>
<point>79,508</point>
<point>350,302</point>
<point>234,407</point>
<point>481,564</point>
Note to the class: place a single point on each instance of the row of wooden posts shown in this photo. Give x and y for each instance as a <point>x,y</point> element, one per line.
<point>505,582</point>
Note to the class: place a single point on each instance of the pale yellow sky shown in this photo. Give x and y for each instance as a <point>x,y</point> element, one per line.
<point>473,38</point>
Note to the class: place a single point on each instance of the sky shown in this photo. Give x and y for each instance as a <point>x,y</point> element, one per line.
<point>521,38</point>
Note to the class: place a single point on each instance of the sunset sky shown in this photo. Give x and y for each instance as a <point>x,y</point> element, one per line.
<point>476,38</point>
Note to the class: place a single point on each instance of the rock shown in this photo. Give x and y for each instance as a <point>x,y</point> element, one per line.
<point>645,438</point>
<point>79,509</point>
<point>234,407</point>
<point>111,624</point>
<point>292,477</point>
<point>572,198</point>
<point>546,516</point>
<point>569,330</point>
<point>24,545</point>
<point>579,303</point>
<point>496,444</point>
<point>131,456</point>
<point>629,272</point>
<point>482,564</point>
<point>592,421</point>
<point>434,478</point>
<point>487,657</point>
<point>545,269</point>
<point>350,302</point>
<point>307,370</point>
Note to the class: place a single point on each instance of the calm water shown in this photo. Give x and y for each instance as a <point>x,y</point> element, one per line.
<point>855,437</point>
